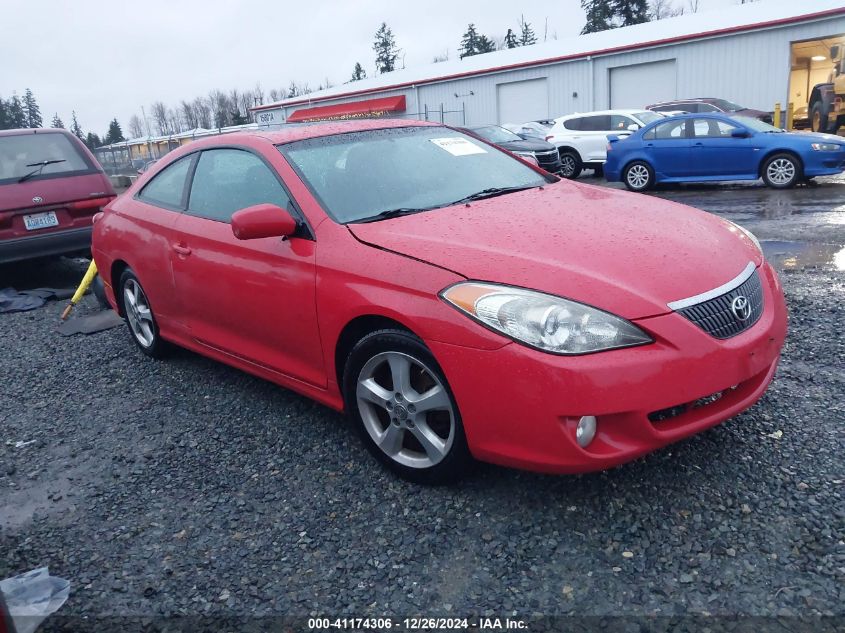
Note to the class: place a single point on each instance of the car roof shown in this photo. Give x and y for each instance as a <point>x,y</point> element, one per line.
<point>602,112</point>
<point>287,133</point>
<point>39,130</point>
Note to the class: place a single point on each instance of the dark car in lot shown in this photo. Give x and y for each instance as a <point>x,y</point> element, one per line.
<point>712,105</point>
<point>541,151</point>
<point>50,188</point>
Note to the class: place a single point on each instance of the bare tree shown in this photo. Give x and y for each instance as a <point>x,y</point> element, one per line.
<point>136,126</point>
<point>174,121</point>
<point>441,58</point>
<point>692,5</point>
<point>159,113</point>
<point>258,94</point>
<point>275,95</point>
<point>219,108</point>
<point>202,110</point>
<point>662,9</point>
<point>189,116</point>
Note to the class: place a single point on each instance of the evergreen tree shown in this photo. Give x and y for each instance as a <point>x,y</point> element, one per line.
<point>510,39</point>
<point>31,110</point>
<point>526,36</point>
<point>385,49</point>
<point>92,140</point>
<point>485,44</point>
<point>358,73</point>
<point>75,128</point>
<point>16,115</point>
<point>4,115</point>
<point>630,12</point>
<point>57,122</point>
<point>115,134</point>
<point>599,15</point>
<point>469,42</point>
<point>238,118</point>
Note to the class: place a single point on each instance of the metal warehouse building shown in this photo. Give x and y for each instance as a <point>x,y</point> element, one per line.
<point>754,54</point>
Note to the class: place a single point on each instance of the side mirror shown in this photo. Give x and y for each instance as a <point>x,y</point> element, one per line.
<point>262,220</point>
<point>739,133</point>
<point>633,127</point>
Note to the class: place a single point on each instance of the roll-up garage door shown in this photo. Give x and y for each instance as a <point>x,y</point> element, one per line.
<point>521,101</point>
<point>640,85</point>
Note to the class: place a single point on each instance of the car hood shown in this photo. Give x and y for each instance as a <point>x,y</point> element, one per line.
<point>813,137</point>
<point>626,253</point>
<point>527,146</point>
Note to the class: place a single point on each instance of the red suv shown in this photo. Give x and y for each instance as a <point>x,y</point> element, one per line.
<point>50,188</point>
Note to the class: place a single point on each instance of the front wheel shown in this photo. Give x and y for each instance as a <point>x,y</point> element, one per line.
<point>398,397</point>
<point>818,117</point>
<point>638,176</point>
<point>570,164</point>
<point>782,171</point>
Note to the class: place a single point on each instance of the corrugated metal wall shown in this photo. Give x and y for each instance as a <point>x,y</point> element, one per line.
<point>750,68</point>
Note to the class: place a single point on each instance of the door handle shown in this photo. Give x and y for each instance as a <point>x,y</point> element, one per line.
<point>698,144</point>
<point>181,249</point>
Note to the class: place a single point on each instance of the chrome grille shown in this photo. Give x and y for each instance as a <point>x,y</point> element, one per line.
<point>716,317</point>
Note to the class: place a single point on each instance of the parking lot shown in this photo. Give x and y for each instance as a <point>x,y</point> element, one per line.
<point>186,487</point>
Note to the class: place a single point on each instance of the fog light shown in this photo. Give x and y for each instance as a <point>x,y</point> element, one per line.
<point>585,431</point>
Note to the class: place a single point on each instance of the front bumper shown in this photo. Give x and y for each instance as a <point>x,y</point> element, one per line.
<point>823,163</point>
<point>520,406</point>
<point>45,244</point>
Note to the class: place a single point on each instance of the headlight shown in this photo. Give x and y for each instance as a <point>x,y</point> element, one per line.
<point>826,147</point>
<point>547,322</point>
<point>748,234</point>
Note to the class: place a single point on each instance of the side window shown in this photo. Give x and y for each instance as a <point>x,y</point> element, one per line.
<point>573,124</point>
<point>650,135</point>
<point>668,107</point>
<point>168,187</point>
<point>706,107</point>
<point>596,123</point>
<point>711,128</point>
<point>670,130</point>
<point>227,180</point>
<point>687,107</point>
<point>619,123</point>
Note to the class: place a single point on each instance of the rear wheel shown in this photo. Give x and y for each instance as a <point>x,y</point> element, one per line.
<point>403,408</point>
<point>570,164</point>
<point>818,117</point>
<point>782,171</point>
<point>639,176</point>
<point>139,316</point>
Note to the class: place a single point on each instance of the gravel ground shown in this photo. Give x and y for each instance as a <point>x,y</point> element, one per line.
<point>187,487</point>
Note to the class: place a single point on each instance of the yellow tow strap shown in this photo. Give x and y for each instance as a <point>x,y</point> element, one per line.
<point>83,287</point>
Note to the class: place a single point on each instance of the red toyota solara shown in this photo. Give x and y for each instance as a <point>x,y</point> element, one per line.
<point>456,301</point>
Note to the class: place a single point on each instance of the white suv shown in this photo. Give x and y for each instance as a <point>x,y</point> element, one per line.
<point>581,138</point>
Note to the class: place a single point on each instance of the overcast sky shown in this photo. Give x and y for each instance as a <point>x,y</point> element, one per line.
<point>106,59</point>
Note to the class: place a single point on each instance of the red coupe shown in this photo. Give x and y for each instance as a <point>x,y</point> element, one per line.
<point>455,300</point>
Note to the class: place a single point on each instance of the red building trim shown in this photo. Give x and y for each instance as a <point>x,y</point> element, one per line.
<point>354,110</point>
<point>551,60</point>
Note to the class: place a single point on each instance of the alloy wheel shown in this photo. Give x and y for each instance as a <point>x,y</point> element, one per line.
<point>406,409</point>
<point>637,176</point>
<point>138,313</point>
<point>781,171</point>
<point>567,165</point>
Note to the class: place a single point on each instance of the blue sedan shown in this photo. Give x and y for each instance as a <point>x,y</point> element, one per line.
<point>712,147</point>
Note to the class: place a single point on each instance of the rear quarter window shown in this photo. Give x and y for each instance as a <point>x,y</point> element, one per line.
<point>167,188</point>
<point>573,124</point>
<point>21,154</point>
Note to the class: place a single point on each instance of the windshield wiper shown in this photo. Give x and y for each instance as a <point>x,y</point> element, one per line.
<point>41,166</point>
<point>492,192</point>
<point>392,213</point>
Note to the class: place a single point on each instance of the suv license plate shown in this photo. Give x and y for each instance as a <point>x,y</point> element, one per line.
<point>40,220</point>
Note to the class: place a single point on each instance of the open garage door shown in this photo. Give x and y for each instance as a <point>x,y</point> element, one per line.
<point>639,85</point>
<point>521,101</point>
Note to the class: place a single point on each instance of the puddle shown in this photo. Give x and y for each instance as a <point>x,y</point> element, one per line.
<point>786,255</point>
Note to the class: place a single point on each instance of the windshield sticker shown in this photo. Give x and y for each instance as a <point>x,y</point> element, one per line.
<point>458,146</point>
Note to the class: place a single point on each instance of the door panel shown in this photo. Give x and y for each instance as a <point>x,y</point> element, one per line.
<point>714,152</point>
<point>668,148</point>
<point>254,299</point>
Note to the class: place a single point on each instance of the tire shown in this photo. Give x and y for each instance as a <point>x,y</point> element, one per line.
<point>423,446</point>
<point>570,164</point>
<point>598,171</point>
<point>139,317</point>
<point>818,118</point>
<point>782,171</point>
<point>100,292</point>
<point>638,176</point>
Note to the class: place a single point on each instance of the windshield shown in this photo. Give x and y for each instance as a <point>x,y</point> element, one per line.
<point>23,154</point>
<point>756,124</point>
<point>361,175</point>
<point>647,117</point>
<point>495,134</point>
<point>727,106</point>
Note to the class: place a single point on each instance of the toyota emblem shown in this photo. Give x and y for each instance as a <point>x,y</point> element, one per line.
<point>741,307</point>
<point>37,200</point>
